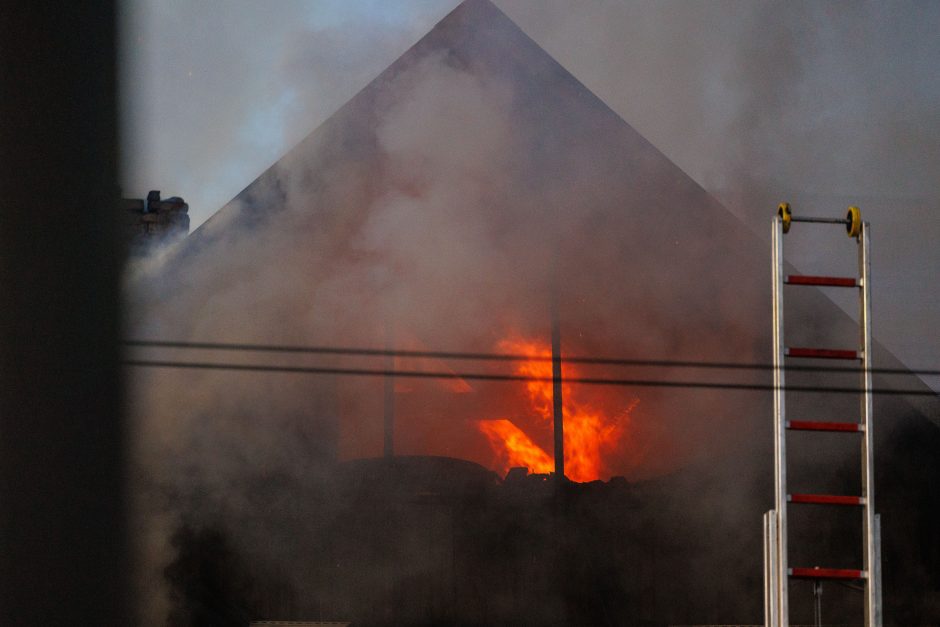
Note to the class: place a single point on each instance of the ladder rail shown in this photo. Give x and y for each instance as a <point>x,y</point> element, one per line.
<point>871,559</point>
<point>776,570</point>
<point>771,615</point>
<point>780,470</point>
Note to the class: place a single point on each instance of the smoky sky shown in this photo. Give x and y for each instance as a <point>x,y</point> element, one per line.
<point>818,104</point>
<point>435,200</point>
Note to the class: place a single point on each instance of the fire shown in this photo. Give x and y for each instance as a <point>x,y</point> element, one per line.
<point>515,447</point>
<point>590,433</point>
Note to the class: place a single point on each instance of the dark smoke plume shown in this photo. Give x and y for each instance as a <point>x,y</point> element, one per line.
<point>449,200</point>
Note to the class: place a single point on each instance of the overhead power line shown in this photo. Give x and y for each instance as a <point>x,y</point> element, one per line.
<point>481,376</point>
<point>508,357</point>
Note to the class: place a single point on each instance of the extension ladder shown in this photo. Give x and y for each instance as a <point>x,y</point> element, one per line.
<point>777,571</point>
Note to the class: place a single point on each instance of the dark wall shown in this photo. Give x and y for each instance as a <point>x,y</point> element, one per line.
<point>62,557</point>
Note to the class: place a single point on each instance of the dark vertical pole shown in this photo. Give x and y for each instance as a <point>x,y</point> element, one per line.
<point>817,603</point>
<point>389,396</point>
<point>560,532</point>
<point>63,552</point>
<point>557,405</point>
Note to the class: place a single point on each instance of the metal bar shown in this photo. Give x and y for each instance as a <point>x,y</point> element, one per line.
<point>817,603</point>
<point>819,220</point>
<point>808,425</point>
<point>771,615</point>
<point>827,573</point>
<point>875,579</point>
<point>826,499</point>
<point>767,550</point>
<point>822,281</point>
<point>780,442</point>
<point>388,382</point>
<point>823,353</point>
<point>871,558</point>
<point>557,401</point>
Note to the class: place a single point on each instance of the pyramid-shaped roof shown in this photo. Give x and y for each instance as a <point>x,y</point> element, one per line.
<point>450,199</point>
<point>453,194</point>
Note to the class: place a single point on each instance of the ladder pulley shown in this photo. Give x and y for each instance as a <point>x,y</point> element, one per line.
<point>852,219</point>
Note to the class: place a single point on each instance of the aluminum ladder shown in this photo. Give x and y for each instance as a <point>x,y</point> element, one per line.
<point>777,571</point>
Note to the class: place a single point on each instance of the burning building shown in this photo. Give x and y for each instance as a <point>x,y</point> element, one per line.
<point>447,206</point>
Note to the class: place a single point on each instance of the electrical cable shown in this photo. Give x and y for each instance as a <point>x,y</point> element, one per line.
<point>481,376</point>
<point>506,357</point>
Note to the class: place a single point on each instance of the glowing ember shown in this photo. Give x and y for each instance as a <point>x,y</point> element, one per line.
<point>590,433</point>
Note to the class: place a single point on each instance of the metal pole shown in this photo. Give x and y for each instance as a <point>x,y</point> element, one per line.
<point>817,603</point>
<point>389,392</point>
<point>874,574</point>
<point>780,465</point>
<point>871,558</point>
<point>766,570</point>
<point>557,406</point>
<point>767,550</point>
<point>771,619</point>
<point>819,220</point>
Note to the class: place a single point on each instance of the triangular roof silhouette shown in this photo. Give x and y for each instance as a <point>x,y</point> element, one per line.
<point>453,194</point>
<point>471,173</point>
<point>579,183</point>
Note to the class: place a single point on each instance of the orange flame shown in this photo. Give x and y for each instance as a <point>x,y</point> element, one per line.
<point>514,447</point>
<point>589,432</point>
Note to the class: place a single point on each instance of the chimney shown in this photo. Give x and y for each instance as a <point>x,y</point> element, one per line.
<point>152,198</point>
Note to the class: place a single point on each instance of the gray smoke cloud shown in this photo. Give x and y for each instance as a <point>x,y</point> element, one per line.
<point>331,267</point>
<point>440,203</point>
<point>204,80</point>
<point>444,201</point>
<point>819,104</point>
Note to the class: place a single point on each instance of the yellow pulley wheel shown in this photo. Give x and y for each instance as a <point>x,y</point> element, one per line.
<point>783,210</point>
<point>853,222</point>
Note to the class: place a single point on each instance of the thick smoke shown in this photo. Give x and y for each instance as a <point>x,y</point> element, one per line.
<point>204,81</point>
<point>447,202</point>
<point>819,104</point>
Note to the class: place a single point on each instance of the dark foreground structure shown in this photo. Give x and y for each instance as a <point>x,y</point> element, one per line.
<point>427,540</point>
<point>63,554</point>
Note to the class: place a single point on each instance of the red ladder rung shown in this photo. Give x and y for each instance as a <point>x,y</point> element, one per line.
<point>827,573</point>
<point>809,425</point>
<point>822,353</point>
<point>830,281</point>
<point>825,499</point>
